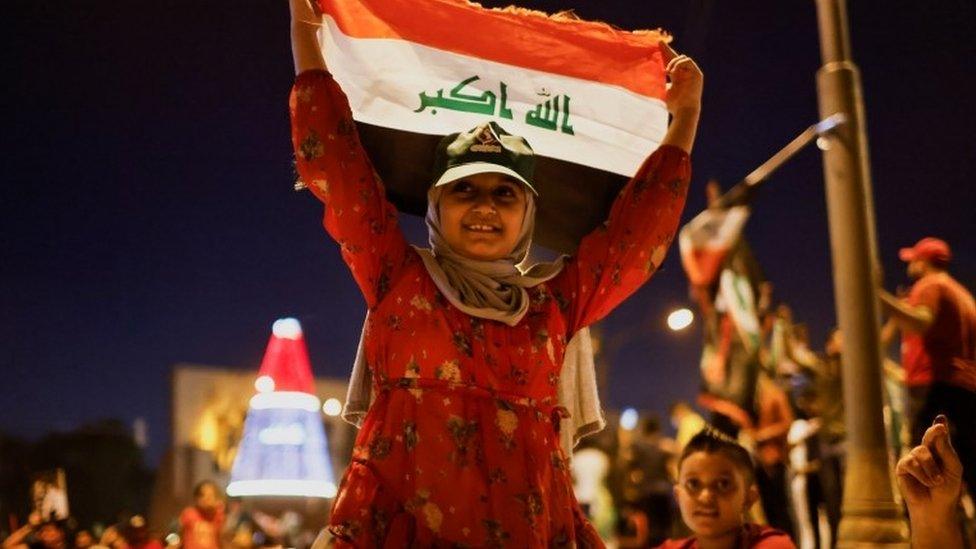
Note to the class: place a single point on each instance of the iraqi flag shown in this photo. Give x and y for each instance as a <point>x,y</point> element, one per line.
<point>586,96</point>
<point>706,241</point>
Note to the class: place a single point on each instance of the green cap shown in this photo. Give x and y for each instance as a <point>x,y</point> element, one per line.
<point>484,149</point>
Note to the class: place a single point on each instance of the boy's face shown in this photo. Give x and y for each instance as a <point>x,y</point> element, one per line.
<point>713,494</point>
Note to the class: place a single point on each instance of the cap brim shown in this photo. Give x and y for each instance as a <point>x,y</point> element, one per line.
<point>906,254</point>
<point>464,170</point>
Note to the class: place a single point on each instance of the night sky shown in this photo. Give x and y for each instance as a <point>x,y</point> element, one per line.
<point>147,216</point>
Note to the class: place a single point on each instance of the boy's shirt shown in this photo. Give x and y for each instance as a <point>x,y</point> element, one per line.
<point>754,536</point>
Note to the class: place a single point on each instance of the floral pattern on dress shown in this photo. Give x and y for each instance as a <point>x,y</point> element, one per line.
<point>497,536</point>
<point>533,506</point>
<point>462,432</point>
<point>410,436</point>
<point>448,371</point>
<point>420,303</point>
<point>380,447</point>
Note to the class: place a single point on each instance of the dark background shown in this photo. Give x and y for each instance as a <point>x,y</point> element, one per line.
<point>147,216</point>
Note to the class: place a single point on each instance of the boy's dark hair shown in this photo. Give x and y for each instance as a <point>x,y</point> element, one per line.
<point>711,441</point>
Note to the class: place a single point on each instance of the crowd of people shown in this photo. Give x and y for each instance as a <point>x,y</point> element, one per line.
<point>211,521</point>
<point>794,429</point>
<point>714,488</point>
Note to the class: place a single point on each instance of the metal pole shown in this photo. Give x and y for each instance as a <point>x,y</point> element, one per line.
<point>870,516</point>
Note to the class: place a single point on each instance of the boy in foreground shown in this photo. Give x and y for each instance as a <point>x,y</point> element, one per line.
<point>715,489</point>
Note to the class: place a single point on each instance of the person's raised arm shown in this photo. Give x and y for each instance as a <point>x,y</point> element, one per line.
<point>915,318</point>
<point>617,257</point>
<point>305,46</point>
<point>333,165</point>
<point>18,539</point>
<point>683,98</point>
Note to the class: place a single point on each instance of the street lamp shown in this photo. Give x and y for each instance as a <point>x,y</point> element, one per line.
<point>332,407</point>
<point>628,419</point>
<point>680,319</point>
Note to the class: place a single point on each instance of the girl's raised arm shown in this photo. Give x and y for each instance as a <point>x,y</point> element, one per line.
<point>305,46</point>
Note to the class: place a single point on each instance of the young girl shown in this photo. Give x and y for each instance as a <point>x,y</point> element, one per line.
<point>459,447</point>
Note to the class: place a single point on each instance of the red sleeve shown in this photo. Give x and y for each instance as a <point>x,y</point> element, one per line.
<point>615,259</point>
<point>331,161</point>
<point>188,517</point>
<point>925,293</point>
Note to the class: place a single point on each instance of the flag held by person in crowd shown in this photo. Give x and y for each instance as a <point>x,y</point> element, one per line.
<point>705,242</point>
<point>586,96</point>
<point>725,279</point>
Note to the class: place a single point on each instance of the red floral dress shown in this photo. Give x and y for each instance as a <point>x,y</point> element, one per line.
<point>459,447</point>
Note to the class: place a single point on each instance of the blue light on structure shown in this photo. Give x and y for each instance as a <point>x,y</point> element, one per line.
<point>284,451</point>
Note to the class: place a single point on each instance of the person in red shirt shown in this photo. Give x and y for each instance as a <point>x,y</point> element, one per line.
<point>937,321</point>
<point>202,522</point>
<point>716,487</point>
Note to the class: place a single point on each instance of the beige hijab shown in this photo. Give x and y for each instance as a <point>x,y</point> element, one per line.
<point>496,290</point>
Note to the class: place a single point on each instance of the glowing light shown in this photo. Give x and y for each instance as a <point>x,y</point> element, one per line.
<point>172,539</point>
<point>264,384</point>
<point>208,431</point>
<point>680,319</point>
<point>287,328</point>
<point>332,407</point>
<point>288,400</point>
<point>628,419</point>
<point>291,434</point>
<point>284,487</point>
<point>137,521</point>
<point>823,143</point>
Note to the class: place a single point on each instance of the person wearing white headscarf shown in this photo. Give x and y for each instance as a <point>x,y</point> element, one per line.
<point>465,349</point>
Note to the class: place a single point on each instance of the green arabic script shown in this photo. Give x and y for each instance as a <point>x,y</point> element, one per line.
<point>552,114</point>
<point>458,100</point>
<point>546,115</point>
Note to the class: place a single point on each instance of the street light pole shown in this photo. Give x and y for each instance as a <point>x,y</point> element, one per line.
<point>870,516</point>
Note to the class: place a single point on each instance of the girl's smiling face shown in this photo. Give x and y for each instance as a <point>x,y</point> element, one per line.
<point>481,215</point>
<point>713,494</point>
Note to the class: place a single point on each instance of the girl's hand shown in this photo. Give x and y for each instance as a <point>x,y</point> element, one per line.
<point>305,22</point>
<point>686,80</point>
<point>305,11</point>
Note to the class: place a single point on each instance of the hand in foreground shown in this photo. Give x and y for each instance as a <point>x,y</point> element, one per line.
<point>930,476</point>
<point>686,81</point>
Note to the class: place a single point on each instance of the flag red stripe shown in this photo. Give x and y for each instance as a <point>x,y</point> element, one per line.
<point>580,49</point>
<point>703,264</point>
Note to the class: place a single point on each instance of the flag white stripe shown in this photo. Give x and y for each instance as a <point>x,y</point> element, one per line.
<point>614,129</point>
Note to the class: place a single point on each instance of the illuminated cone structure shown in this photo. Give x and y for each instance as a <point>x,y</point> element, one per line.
<point>284,450</point>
